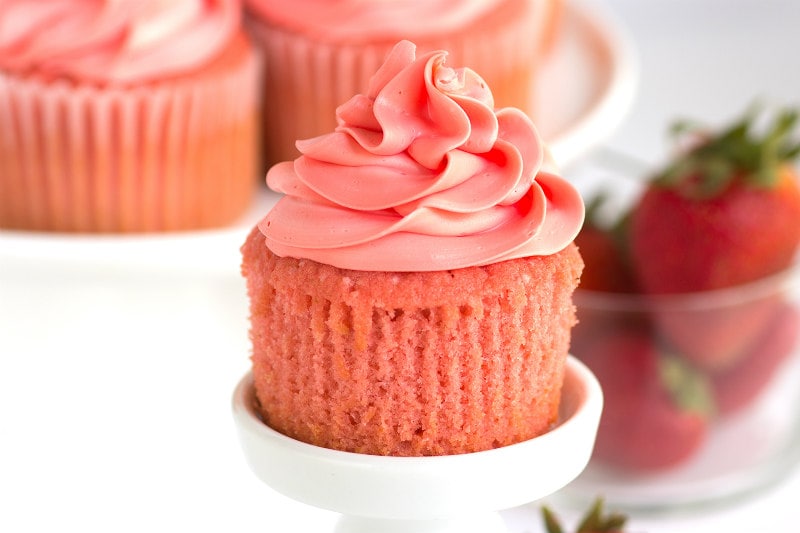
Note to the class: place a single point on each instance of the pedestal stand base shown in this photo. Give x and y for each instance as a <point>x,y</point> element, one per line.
<point>444,494</point>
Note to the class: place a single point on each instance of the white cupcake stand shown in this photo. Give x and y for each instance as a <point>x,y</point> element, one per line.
<point>445,494</point>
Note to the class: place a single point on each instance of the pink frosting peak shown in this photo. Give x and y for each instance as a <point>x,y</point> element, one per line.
<point>114,41</point>
<point>421,174</point>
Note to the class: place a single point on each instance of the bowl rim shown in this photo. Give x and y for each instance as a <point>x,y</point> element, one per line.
<point>761,288</point>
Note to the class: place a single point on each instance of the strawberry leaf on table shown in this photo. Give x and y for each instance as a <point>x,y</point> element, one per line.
<point>594,521</point>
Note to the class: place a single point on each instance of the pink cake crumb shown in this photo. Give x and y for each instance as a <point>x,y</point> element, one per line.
<point>409,364</point>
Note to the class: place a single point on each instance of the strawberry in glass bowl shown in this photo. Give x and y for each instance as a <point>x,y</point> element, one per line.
<point>689,312</point>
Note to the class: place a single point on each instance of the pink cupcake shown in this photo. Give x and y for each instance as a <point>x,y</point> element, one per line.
<point>319,53</point>
<point>125,116</point>
<point>411,294</point>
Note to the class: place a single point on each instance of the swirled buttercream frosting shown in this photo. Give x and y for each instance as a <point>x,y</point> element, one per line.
<point>353,20</point>
<point>421,174</point>
<point>113,41</point>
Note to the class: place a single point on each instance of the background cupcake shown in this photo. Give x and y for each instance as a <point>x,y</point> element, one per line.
<point>319,53</point>
<point>125,116</point>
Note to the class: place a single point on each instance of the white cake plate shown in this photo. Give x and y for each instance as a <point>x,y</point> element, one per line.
<point>585,90</point>
<point>444,494</point>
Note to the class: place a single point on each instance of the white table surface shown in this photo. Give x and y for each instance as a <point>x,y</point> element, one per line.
<point>115,387</point>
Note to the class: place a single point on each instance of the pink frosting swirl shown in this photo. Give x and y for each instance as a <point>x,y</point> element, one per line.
<point>354,20</point>
<point>421,174</point>
<point>114,41</point>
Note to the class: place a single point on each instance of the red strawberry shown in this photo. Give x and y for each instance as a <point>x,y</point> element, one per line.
<point>601,314</point>
<point>604,270</point>
<point>606,274</point>
<point>725,213</point>
<point>739,386</point>
<point>606,267</point>
<point>656,409</point>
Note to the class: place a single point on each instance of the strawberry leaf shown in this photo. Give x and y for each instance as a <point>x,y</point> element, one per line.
<point>594,521</point>
<point>551,522</point>
<point>714,161</point>
<point>689,389</point>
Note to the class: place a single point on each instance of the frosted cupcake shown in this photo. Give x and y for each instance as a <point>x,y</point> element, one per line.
<point>125,116</point>
<point>319,53</point>
<point>411,294</point>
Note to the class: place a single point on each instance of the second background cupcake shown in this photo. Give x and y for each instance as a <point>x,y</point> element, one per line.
<point>318,53</point>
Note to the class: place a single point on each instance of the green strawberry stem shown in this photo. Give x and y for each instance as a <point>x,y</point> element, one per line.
<point>711,165</point>
<point>688,388</point>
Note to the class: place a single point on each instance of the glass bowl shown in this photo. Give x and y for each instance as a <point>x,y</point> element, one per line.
<point>702,390</point>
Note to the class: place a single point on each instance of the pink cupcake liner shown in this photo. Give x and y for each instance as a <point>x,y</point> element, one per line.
<point>168,156</point>
<point>379,363</point>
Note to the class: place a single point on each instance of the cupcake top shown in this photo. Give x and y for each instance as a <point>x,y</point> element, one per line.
<point>421,174</point>
<point>354,20</point>
<point>113,41</point>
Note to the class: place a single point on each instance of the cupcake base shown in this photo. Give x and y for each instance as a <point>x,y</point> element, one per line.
<point>423,363</point>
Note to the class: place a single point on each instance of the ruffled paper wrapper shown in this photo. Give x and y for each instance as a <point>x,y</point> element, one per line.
<point>380,363</point>
<point>307,80</point>
<point>176,155</point>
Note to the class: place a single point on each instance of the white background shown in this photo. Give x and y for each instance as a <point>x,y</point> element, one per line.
<point>705,59</point>
<point>115,386</point>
